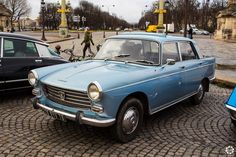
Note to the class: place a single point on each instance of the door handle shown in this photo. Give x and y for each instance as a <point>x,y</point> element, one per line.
<point>182,67</point>
<point>38,60</point>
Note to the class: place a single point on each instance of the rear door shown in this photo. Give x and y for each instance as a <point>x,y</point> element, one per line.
<point>18,56</point>
<point>192,67</point>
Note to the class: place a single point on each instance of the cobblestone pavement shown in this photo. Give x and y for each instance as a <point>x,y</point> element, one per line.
<point>181,130</point>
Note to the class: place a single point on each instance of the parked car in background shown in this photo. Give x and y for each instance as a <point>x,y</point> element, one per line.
<point>197,31</point>
<point>20,54</point>
<point>132,74</point>
<point>204,32</point>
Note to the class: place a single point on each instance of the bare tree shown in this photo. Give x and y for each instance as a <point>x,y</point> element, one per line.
<point>18,8</point>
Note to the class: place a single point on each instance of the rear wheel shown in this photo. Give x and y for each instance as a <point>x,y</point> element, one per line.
<point>129,120</point>
<point>197,98</point>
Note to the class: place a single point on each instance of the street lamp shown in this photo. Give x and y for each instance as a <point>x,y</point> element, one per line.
<point>185,18</point>
<point>113,5</point>
<point>43,10</point>
<point>167,5</point>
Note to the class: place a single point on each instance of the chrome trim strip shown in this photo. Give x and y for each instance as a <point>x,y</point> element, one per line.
<point>230,107</point>
<point>15,88</point>
<point>82,118</point>
<point>19,80</point>
<point>157,77</point>
<point>57,111</point>
<point>1,82</point>
<point>172,103</point>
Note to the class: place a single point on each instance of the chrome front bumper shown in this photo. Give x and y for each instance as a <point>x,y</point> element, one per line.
<point>79,117</point>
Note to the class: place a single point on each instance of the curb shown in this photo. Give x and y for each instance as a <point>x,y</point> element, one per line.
<point>56,41</point>
<point>224,83</point>
<point>225,66</point>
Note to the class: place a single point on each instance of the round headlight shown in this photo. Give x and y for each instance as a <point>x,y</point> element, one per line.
<point>94,91</point>
<point>32,78</point>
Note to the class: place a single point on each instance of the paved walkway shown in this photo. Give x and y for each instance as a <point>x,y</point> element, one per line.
<point>183,130</point>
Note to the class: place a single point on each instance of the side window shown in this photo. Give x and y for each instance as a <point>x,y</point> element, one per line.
<point>151,51</point>
<point>19,48</point>
<point>170,51</point>
<point>31,50</point>
<point>186,50</point>
<point>43,51</point>
<point>8,48</point>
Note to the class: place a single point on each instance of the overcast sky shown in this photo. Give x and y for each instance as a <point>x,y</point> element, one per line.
<point>130,10</point>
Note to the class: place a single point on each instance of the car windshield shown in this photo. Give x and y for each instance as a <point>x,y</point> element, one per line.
<point>130,50</point>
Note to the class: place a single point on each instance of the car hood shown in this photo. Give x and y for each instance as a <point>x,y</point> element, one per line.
<point>109,74</point>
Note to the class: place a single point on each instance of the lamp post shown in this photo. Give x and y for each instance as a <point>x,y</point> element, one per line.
<point>43,10</point>
<point>104,19</point>
<point>185,18</point>
<point>167,5</point>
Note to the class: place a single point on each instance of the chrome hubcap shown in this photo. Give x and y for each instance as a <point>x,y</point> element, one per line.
<point>130,120</point>
<point>200,92</point>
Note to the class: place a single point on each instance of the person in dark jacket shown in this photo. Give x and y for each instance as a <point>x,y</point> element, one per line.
<point>190,32</point>
<point>87,40</point>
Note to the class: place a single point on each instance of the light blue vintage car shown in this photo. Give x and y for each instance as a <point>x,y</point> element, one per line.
<point>132,74</point>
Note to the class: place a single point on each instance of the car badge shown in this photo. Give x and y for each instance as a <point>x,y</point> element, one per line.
<point>62,95</point>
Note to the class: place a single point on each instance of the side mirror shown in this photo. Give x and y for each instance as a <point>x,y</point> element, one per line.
<point>170,61</point>
<point>98,47</point>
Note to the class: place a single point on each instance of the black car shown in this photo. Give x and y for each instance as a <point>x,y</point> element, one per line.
<point>18,55</point>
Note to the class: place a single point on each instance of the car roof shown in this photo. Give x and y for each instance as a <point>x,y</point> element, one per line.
<point>159,37</point>
<point>20,36</point>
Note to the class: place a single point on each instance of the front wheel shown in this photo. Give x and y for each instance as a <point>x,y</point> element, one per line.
<point>129,120</point>
<point>197,98</point>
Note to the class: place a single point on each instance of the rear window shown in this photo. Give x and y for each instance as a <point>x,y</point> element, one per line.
<point>44,51</point>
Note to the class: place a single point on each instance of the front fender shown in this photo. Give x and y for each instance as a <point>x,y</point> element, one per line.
<point>112,99</point>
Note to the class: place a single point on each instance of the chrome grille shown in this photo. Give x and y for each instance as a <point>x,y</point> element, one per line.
<point>67,97</point>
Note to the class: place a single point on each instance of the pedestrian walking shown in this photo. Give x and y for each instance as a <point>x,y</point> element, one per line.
<point>190,32</point>
<point>87,40</point>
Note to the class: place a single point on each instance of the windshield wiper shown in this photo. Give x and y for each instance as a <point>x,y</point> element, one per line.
<point>123,55</point>
<point>145,61</point>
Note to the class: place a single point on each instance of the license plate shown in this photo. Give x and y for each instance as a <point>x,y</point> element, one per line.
<point>55,115</point>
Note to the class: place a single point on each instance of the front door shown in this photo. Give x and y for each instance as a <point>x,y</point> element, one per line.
<point>169,81</point>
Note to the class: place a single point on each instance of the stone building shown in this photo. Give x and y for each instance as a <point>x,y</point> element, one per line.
<point>4,18</point>
<point>226,22</point>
